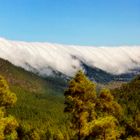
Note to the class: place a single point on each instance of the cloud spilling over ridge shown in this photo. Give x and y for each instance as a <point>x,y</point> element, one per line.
<point>43,57</point>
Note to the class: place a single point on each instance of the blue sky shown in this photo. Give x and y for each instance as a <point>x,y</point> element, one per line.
<point>82,22</point>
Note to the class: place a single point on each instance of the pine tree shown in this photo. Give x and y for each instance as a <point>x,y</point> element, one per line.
<point>80,102</point>
<point>106,125</point>
<point>8,123</point>
<point>93,116</point>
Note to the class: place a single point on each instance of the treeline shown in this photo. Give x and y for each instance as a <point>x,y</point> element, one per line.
<point>89,115</point>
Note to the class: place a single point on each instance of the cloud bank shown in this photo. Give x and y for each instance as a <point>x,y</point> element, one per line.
<point>43,57</point>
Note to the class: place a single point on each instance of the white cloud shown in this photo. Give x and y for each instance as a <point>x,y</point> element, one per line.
<point>43,56</point>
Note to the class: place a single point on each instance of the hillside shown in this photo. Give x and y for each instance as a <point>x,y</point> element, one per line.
<point>128,96</point>
<point>40,101</point>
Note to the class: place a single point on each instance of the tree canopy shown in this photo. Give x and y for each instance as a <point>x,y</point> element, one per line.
<point>92,115</point>
<point>8,123</point>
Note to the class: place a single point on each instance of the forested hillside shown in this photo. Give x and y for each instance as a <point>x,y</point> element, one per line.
<point>48,109</point>
<point>39,101</point>
<point>128,96</point>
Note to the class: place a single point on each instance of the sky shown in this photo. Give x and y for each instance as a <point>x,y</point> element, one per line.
<point>79,22</point>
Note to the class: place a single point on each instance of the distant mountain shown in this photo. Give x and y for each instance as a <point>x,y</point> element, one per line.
<point>101,64</point>
<point>103,77</point>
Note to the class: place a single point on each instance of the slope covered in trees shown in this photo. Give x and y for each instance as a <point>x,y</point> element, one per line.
<point>40,102</point>
<point>128,95</point>
<point>91,113</point>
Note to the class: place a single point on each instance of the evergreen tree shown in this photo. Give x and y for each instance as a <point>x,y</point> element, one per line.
<point>80,102</point>
<point>8,123</point>
<point>106,125</point>
<point>93,116</point>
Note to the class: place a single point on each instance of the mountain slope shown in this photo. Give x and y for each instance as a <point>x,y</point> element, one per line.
<point>40,101</point>
<point>46,58</point>
<point>128,96</point>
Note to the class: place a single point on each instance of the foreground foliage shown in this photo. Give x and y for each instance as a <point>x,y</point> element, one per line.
<point>8,123</point>
<point>92,115</point>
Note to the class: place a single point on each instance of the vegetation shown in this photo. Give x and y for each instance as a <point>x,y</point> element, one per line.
<point>92,115</point>
<point>128,95</point>
<point>8,123</point>
<point>40,103</point>
<point>80,102</point>
<point>90,112</point>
